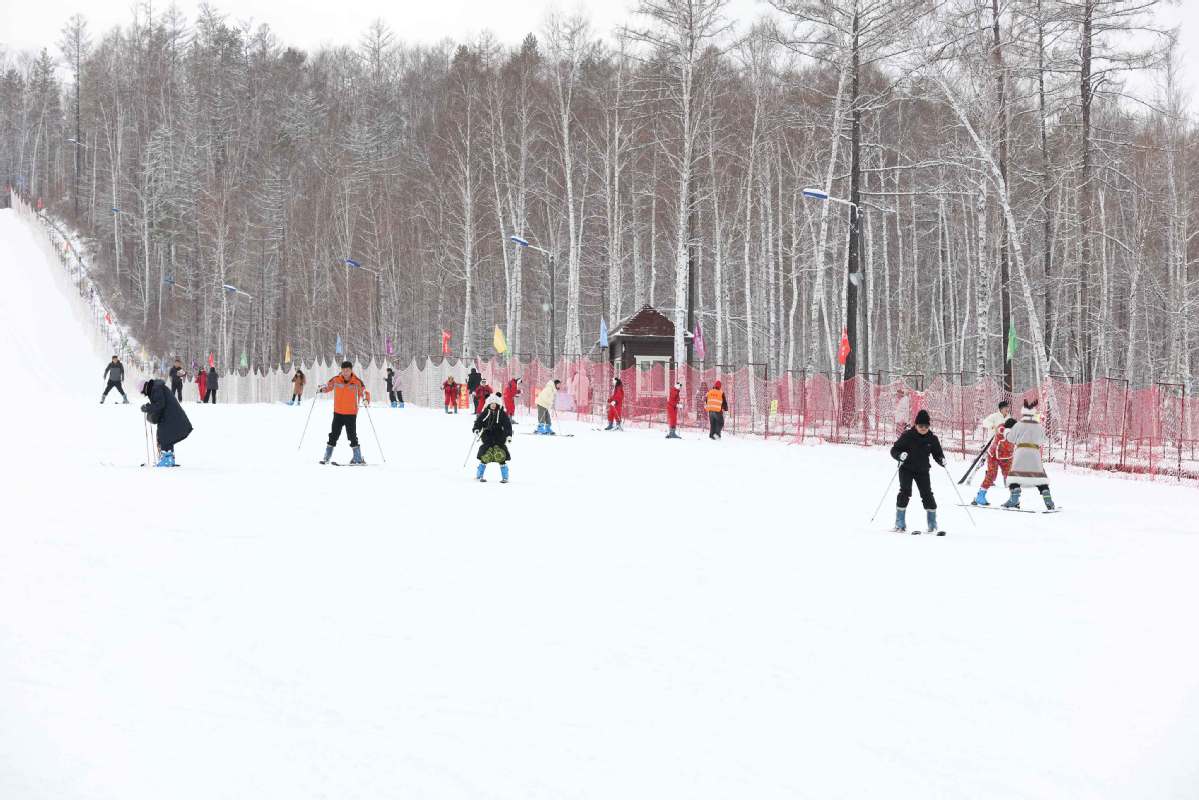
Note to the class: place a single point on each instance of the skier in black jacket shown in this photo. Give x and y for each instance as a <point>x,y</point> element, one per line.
<point>177,374</point>
<point>473,381</point>
<point>164,411</point>
<point>912,450</point>
<point>213,384</point>
<point>114,373</point>
<point>495,430</point>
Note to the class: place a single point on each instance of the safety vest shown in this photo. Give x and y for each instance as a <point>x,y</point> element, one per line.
<point>715,400</point>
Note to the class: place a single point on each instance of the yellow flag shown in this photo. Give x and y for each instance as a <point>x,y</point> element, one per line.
<point>501,345</point>
<point>287,354</point>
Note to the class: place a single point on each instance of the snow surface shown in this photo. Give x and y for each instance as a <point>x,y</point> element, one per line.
<point>630,618</point>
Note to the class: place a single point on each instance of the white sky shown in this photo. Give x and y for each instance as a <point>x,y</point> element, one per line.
<point>32,24</point>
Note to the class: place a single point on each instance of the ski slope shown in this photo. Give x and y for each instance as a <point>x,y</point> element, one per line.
<point>629,618</point>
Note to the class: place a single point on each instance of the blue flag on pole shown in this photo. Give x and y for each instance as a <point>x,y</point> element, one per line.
<point>603,332</point>
<point>338,348</point>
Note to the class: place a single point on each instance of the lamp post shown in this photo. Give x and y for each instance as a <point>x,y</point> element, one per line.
<point>352,264</point>
<point>226,290</point>
<point>521,242</point>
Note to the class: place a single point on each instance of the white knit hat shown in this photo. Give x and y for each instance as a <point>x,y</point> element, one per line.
<point>494,400</point>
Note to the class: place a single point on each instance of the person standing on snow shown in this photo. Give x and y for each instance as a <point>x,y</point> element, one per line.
<point>482,392</point>
<point>114,373</point>
<point>473,379</point>
<point>912,450</point>
<point>394,395</point>
<point>545,404</point>
<point>674,404</point>
<point>495,432</point>
<point>214,383</point>
<point>164,412</point>
<point>177,374</point>
<point>1026,438</point>
<point>616,406</point>
<point>449,388</point>
<point>511,392</point>
<point>202,386</point>
<point>347,388</point>
<point>297,387</point>
<point>716,404</point>
<point>999,451</point>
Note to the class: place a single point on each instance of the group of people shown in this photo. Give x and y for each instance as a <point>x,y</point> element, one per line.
<point>207,381</point>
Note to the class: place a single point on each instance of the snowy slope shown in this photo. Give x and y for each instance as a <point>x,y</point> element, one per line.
<point>254,625</point>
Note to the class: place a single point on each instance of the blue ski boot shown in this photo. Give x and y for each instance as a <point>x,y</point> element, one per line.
<point>166,459</point>
<point>503,473</point>
<point>479,473</point>
<point>394,404</point>
<point>1049,506</point>
<point>357,459</point>
<point>932,521</point>
<point>901,519</point>
<point>549,431</point>
<point>980,499</point>
<point>328,455</point>
<point>401,405</point>
<point>1013,500</point>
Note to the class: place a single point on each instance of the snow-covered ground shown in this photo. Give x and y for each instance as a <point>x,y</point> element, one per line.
<point>629,618</point>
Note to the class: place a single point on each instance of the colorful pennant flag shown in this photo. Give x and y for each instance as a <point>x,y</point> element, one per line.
<point>603,340</point>
<point>498,340</point>
<point>211,360</point>
<point>844,350</point>
<point>389,349</point>
<point>445,342</point>
<point>245,362</point>
<point>287,354</point>
<point>697,345</point>
<point>337,349</point>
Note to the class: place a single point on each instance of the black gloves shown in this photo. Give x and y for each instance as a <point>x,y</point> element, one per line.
<point>145,408</point>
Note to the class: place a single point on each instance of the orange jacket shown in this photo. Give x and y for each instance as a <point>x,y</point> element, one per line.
<point>715,400</point>
<point>346,393</point>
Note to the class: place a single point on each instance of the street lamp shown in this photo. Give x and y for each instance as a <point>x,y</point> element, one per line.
<point>520,242</point>
<point>352,264</point>
<point>227,289</point>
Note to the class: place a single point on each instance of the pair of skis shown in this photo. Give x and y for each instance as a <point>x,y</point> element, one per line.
<point>1054,510</point>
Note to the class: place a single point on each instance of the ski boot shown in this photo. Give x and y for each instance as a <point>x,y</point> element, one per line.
<point>980,499</point>
<point>479,473</point>
<point>673,434</point>
<point>549,431</point>
<point>932,522</point>
<point>328,455</point>
<point>357,459</point>
<point>394,404</point>
<point>401,405</point>
<point>125,401</point>
<point>1049,506</point>
<point>609,427</point>
<point>1013,500</point>
<point>901,520</point>
<point>503,473</point>
<point>166,459</point>
<point>619,426</point>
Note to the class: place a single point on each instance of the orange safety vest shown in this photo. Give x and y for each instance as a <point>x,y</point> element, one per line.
<point>715,400</point>
<point>346,394</point>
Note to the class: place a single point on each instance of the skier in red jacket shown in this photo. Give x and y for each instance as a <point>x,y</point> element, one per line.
<point>616,407</point>
<point>481,394</point>
<point>511,390</point>
<point>450,389</point>
<point>674,404</point>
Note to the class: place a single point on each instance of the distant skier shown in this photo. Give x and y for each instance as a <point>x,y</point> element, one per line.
<point>999,451</point>
<point>716,404</point>
<point>482,392</point>
<point>172,423</point>
<point>511,392</point>
<point>1027,437</point>
<point>114,373</point>
<point>616,407</point>
<point>202,386</point>
<point>912,450</point>
<point>347,389</point>
<point>297,387</point>
<point>495,432</point>
<point>214,383</point>
<point>395,395</point>
<point>473,379</point>
<point>177,374</point>
<point>674,404</point>
<point>545,405</point>
<point>449,388</point>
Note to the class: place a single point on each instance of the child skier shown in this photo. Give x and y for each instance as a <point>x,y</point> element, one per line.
<point>999,452</point>
<point>297,386</point>
<point>495,431</point>
<point>674,404</point>
<point>616,406</point>
<point>545,403</point>
<point>1026,438</point>
<point>912,450</point>
<point>511,392</point>
<point>449,388</point>
<point>347,388</point>
<point>114,373</point>
<point>172,423</point>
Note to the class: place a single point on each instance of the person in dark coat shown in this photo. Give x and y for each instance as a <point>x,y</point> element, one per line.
<point>495,431</point>
<point>473,379</point>
<point>114,373</point>
<point>172,423</point>
<point>212,385</point>
<point>912,450</point>
<point>177,374</point>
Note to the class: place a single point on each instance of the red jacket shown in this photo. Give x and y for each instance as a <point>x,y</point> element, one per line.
<point>450,388</point>
<point>673,401</point>
<point>510,393</point>
<point>481,394</point>
<point>202,383</point>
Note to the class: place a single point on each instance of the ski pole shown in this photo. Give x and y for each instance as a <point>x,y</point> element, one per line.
<point>306,421</point>
<point>474,439</point>
<point>977,459</point>
<point>885,493</point>
<point>955,491</point>
<point>146,427</point>
<point>375,432</point>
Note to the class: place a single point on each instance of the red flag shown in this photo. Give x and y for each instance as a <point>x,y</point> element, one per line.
<point>107,318</point>
<point>844,350</point>
<point>211,361</point>
<point>445,342</point>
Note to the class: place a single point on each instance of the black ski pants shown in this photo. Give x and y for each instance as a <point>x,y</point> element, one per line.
<point>177,390</point>
<point>350,423</point>
<point>715,423</point>
<point>210,396</point>
<point>113,385</point>
<point>922,483</point>
<point>395,397</point>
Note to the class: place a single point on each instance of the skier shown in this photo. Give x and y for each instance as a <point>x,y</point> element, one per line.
<point>114,373</point>
<point>202,385</point>
<point>495,431</point>
<point>347,388</point>
<point>616,407</point>
<point>450,388</point>
<point>1026,438</point>
<point>511,392</point>
<point>297,387</point>
<point>674,405</point>
<point>177,374</point>
<point>999,451</point>
<point>395,393</point>
<point>482,392</point>
<point>545,403</point>
<point>716,404</point>
<point>473,379</point>
<point>214,383</point>
<point>912,450</point>
<point>172,423</point>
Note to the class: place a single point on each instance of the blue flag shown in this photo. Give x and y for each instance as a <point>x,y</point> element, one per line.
<point>338,348</point>
<point>603,332</point>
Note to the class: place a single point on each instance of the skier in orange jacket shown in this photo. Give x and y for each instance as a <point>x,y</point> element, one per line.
<point>347,389</point>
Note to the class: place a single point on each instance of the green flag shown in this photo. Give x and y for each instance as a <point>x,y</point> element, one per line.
<point>1012,344</point>
<point>244,361</point>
